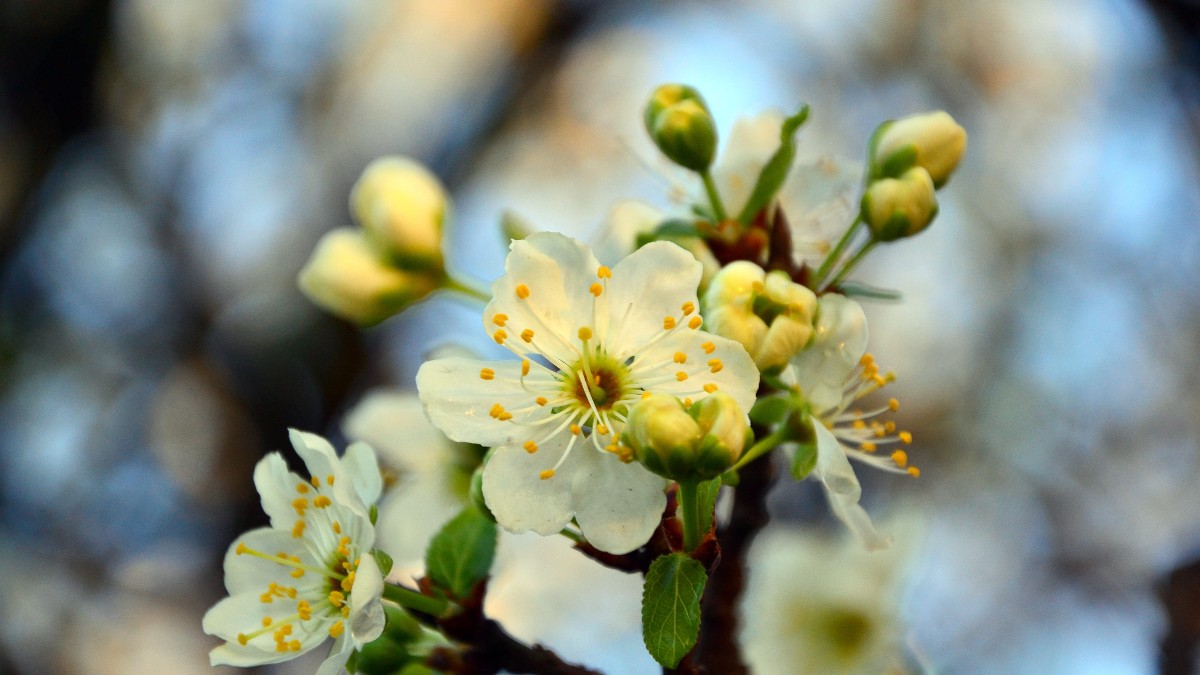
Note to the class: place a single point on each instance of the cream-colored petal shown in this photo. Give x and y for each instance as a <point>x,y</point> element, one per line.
<point>277,488</point>
<point>366,608</point>
<point>245,573</point>
<point>618,505</point>
<point>736,373</point>
<point>394,423</point>
<point>413,511</point>
<point>653,283</point>
<point>322,462</point>
<point>339,654</point>
<point>363,469</point>
<point>517,495</point>
<point>842,488</point>
<point>839,341</point>
<point>459,401</point>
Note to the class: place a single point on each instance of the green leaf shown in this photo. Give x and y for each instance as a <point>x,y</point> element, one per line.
<point>804,461</point>
<point>383,560</point>
<point>857,289</point>
<point>674,230</point>
<point>706,496</point>
<point>671,607</point>
<point>770,410</point>
<point>514,227</point>
<point>461,554</point>
<point>775,171</point>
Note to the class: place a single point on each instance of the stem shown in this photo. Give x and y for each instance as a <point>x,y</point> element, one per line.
<point>572,535</point>
<point>688,503</point>
<point>468,288</point>
<point>838,249</point>
<point>763,446</point>
<point>853,262</point>
<point>411,599</point>
<point>713,197</point>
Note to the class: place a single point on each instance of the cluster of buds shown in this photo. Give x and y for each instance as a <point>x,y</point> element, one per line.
<point>909,159</point>
<point>368,273</point>
<point>768,313</point>
<point>687,444</point>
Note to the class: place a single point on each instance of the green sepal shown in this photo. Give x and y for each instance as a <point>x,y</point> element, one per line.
<point>770,410</point>
<point>383,560</point>
<point>775,171</point>
<point>804,461</point>
<point>671,607</point>
<point>383,656</point>
<point>857,289</point>
<point>514,227</point>
<point>374,513</point>
<point>461,554</point>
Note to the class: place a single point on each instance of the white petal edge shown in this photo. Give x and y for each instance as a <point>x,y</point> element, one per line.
<point>363,467</point>
<point>648,286</point>
<point>618,505</point>
<point>519,498</point>
<point>833,470</point>
<point>458,400</point>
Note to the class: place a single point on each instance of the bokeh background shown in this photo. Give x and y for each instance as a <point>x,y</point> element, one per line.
<point>167,165</point>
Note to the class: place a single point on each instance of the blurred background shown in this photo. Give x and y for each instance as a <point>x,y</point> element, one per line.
<point>167,165</point>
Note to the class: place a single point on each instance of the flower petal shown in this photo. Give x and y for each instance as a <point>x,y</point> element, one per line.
<point>736,373</point>
<point>366,608</point>
<point>839,341</point>
<point>245,573</point>
<point>617,236</point>
<point>751,142</point>
<point>394,423</point>
<point>333,664</point>
<point>842,488</point>
<point>651,284</point>
<point>556,273</point>
<point>277,488</point>
<point>414,511</point>
<point>243,613</point>
<point>363,469</point>
<point>618,505</point>
<point>322,462</point>
<point>517,495</point>
<point>458,400</point>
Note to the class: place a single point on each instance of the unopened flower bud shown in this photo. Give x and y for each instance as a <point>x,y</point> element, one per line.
<point>932,141</point>
<point>769,314</point>
<point>346,277</point>
<point>402,206</point>
<point>900,207</point>
<point>663,436</point>
<point>725,428</point>
<point>681,125</point>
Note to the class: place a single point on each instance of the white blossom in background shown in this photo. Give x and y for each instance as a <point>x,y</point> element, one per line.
<point>435,471</point>
<point>834,372</point>
<point>590,341</point>
<point>816,604</point>
<point>310,575</point>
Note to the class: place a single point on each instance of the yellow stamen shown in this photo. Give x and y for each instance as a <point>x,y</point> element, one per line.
<point>900,457</point>
<point>603,272</point>
<point>708,347</point>
<point>337,598</point>
<point>522,291</point>
<point>601,429</point>
<point>695,322</point>
<point>547,474</point>
<point>487,374</point>
<point>893,404</point>
<point>500,336</point>
<point>541,400</point>
<point>265,622</point>
<point>905,437</point>
<point>302,488</point>
<point>668,322</point>
<point>500,319</point>
<point>680,357</point>
<point>596,289</point>
<point>585,333</point>
<point>336,629</point>
<point>531,447</point>
<point>645,395</point>
<point>298,529</point>
<point>688,307</point>
<point>242,639</point>
<point>710,387</point>
<point>867,446</point>
<point>575,429</point>
<point>715,365</point>
<point>524,367</point>
<point>527,335</point>
<point>914,472</point>
<point>681,376</point>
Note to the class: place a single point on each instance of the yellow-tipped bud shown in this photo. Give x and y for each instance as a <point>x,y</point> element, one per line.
<point>402,206</point>
<point>346,277</point>
<point>663,436</point>
<point>769,314</point>
<point>932,141</point>
<point>726,431</point>
<point>681,125</point>
<point>900,207</point>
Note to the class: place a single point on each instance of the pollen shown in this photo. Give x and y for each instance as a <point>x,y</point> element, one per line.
<point>914,472</point>
<point>708,347</point>
<point>541,400</point>
<point>504,416</point>
<point>295,645</point>
<point>496,410</point>
<point>300,504</point>
<point>601,429</point>
<point>900,457</point>
<point>337,527</point>
<point>522,291</point>
<point>695,322</point>
<point>867,446</point>
<point>681,376</point>
<point>304,610</point>
<point>531,447</point>
<point>302,488</point>
<point>242,639</point>
<point>500,336</point>
<point>500,319</point>
<point>603,272</point>
<point>715,365</point>
<point>585,333</point>
<point>298,529</point>
<point>487,374</point>
<point>527,335</point>
<point>668,322</point>
<point>710,387</point>
<point>547,474</point>
<point>342,546</point>
<point>336,629</point>
<point>687,402</point>
<point>680,357</point>
<point>337,598</point>
<point>893,404</point>
<point>241,548</point>
<point>266,621</point>
<point>316,482</point>
<point>688,307</point>
<point>596,289</point>
<point>645,395</point>
<point>575,429</point>
<point>905,437</point>
<point>321,501</point>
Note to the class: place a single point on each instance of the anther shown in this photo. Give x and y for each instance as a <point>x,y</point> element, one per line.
<point>295,645</point>
<point>867,446</point>
<point>681,376</point>
<point>596,289</point>
<point>302,488</point>
<point>329,479</point>
<point>524,367</point>
<point>710,387</point>
<point>905,437</point>
<point>695,322</point>
<point>336,629</point>
<point>298,529</point>
<point>531,447</point>
<point>500,336</point>
<point>241,548</point>
<point>668,322</point>
<point>527,335</point>
<point>900,457</point>
<point>708,347</point>
<point>522,291</point>
<point>487,374</point>
<point>601,429</point>
<point>645,395</point>
<point>575,429</point>
<point>547,474</point>
<point>688,307</point>
<point>585,333</point>
<point>603,272</point>
<point>266,621</point>
<point>893,404</point>
<point>500,319</point>
<point>715,365</point>
<point>680,357</point>
<point>337,527</point>
<point>242,639</point>
<point>914,472</point>
<point>541,400</point>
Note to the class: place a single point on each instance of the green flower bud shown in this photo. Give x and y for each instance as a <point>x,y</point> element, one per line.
<point>900,207</point>
<point>681,125</point>
<point>932,141</point>
<point>346,277</point>
<point>726,430</point>
<point>663,436</point>
<point>402,207</point>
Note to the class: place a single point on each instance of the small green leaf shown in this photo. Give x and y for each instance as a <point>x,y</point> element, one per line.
<point>775,171</point>
<point>770,410</point>
<point>706,496</point>
<point>674,230</point>
<point>671,607</point>
<point>374,513</point>
<point>461,554</point>
<point>383,560</point>
<point>805,460</point>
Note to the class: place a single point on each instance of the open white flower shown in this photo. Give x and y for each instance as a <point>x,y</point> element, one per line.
<point>819,605</point>
<point>310,575</point>
<point>833,373</point>
<point>591,341</point>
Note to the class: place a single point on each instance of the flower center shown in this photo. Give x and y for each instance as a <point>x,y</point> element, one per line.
<point>606,380</point>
